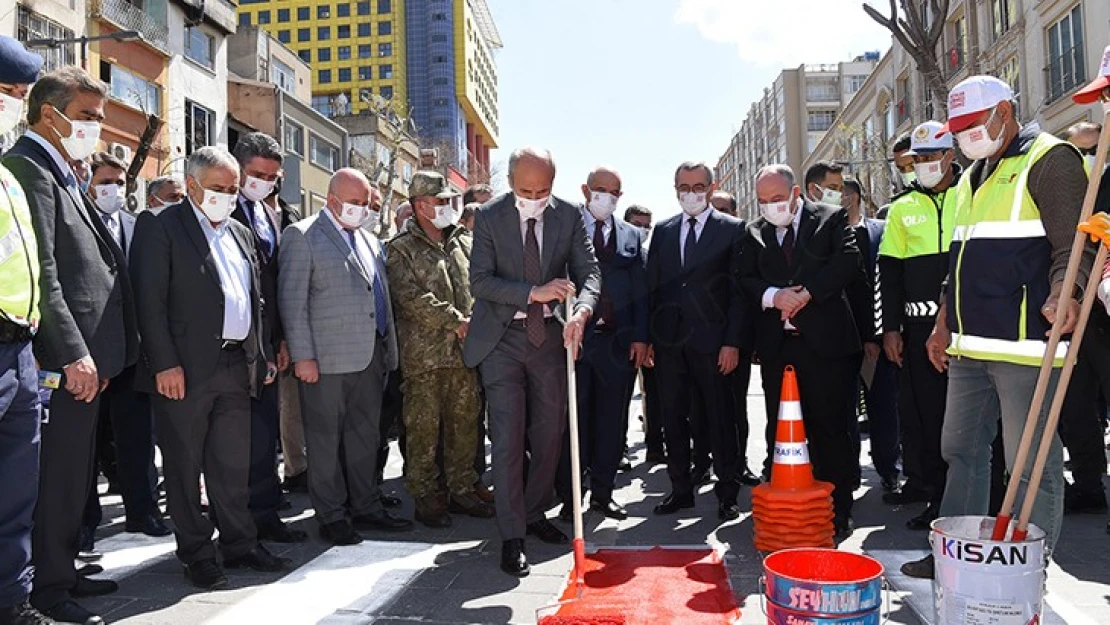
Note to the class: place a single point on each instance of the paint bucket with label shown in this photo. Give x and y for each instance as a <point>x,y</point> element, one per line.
<point>979,580</point>
<point>822,587</point>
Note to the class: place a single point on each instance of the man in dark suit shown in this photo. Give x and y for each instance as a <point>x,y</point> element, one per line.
<point>525,245</point>
<point>615,346</point>
<point>698,321</point>
<point>260,158</point>
<point>798,259</point>
<point>88,329</point>
<point>206,353</point>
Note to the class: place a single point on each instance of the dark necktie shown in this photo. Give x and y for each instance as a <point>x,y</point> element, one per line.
<point>264,229</point>
<point>380,313</point>
<point>115,229</point>
<point>691,241</point>
<point>788,246</point>
<point>533,325</point>
<point>605,303</point>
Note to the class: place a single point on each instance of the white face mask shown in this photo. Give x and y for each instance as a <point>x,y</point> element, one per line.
<point>781,214</point>
<point>602,205</point>
<point>446,216</point>
<point>352,215</point>
<point>929,175</point>
<point>830,197</point>
<point>82,139</point>
<point>693,204</point>
<point>909,177</point>
<point>531,209</point>
<point>373,218</point>
<point>109,197</point>
<point>216,206</point>
<point>11,111</point>
<point>256,189</point>
<point>976,143</point>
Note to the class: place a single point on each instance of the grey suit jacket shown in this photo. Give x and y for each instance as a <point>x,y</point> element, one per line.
<point>327,299</point>
<point>497,268</point>
<point>87,304</point>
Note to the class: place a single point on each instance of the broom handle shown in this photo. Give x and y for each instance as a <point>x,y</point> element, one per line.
<point>1049,434</point>
<point>1005,514</point>
<point>575,460</point>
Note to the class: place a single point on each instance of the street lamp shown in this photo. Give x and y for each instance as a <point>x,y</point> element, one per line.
<point>52,42</point>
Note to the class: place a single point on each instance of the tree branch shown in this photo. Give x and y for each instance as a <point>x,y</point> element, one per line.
<point>883,20</point>
<point>937,28</point>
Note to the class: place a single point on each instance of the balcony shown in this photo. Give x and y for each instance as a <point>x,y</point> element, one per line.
<point>127,16</point>
<point>956,59</point>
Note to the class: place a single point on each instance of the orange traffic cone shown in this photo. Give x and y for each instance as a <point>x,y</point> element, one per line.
<point>793,510</point>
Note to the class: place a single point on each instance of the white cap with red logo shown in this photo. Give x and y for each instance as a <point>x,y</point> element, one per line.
<point>1091,92</point>
<point>970,98</point>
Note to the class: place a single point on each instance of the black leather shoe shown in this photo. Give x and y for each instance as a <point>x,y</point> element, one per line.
<point>340,533</point>
<point>728,511</point>
<point>513,560</point>
<point>673,503</point>
<point>259,559</point>
<point>23,614</point>
<point>700,477</point>
<point>86,587</point>
<point>285,504</point>
<point>281,533</point>
<point>87,570</point>
<point>749,479</point>
<point>390,501</point>
<point>924,521</point>
<point>86,551</point>
<point>925,568</point>
<point>890,483</point>
<point>70,611</point>
<point>1078,501</point>
<point>626,463</point>
<point>206,574</point>
<point>547,532</point>
<point>843,526</point>
<point>296,483</point>
<point>150,525</point>
<point>383,522</point>
<point>609,508</point>
<point>907,494</point>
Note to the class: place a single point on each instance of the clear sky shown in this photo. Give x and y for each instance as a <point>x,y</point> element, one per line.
<point>642,85</point>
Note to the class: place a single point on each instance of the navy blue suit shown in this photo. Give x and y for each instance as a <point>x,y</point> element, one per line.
<point>604,370</point>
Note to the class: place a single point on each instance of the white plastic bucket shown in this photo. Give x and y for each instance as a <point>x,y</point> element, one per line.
<point>981,581</point>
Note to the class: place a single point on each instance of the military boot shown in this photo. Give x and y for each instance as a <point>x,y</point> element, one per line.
<point>471,505</point>
<point>432,511</point>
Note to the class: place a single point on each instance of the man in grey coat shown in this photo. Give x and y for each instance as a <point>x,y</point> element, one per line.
<point>525,245</point>
<point>339,327</point>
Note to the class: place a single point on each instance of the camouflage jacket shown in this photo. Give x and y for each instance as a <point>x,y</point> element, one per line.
<point>430,287</point>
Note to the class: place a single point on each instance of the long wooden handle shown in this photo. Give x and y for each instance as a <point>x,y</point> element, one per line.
<point>1005,514</point>
<point>575,459</point>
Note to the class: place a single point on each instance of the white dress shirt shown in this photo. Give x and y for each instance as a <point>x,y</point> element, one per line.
<point>362,250</point>
<point>235,276</point>
<point>115,228</point>
<point>769,295</point>
<point>591,226</point>
<point>523,314</point>
<point>699,227</point>
<point>59,160</point>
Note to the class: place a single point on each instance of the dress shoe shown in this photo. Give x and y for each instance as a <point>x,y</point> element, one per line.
<point>513,560</point>
<point>909,493</point>
<point>296,483</point>
<point>151,525</point>
<point>86,587</point>
<point>749,479</point>
<point>890,483</point>
<point>86,551</point>
<point>281,533</point>
<point>547,532</point>
<point>70,611</point>
<point>87,570</point>
<point>1078,501</point>
<point>728,511</point>
<point>258,559</point>
<point>284,504</point>
<point>23,614</point>
<point>483,492</point>
<point>206,574</point>
<point>673,503</point>
<point>655,457</point>
<point>609,508</point>
<point>843,526</point>
<point>431,511</point>
<point>925,568</point>
<point>383,521</point>
<point>626,462</point>
<point>340,533</point>
<point>390,501</point>
<point>470,505</point>
<point>924,521</point>
<point>701,477</point>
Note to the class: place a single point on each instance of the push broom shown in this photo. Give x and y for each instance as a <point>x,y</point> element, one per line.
<point>1096,230</point>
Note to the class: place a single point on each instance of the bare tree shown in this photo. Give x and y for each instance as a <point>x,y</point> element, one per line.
<point>919,33</point>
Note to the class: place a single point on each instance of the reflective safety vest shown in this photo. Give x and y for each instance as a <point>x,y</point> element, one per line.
<point>999,266</point>
<point>19,257</point>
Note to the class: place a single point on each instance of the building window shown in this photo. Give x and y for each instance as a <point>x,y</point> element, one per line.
<point>323,12</point>
<point>131,89</point>
<point>385,50</point>
<point>386,92</point>
<point>820,121</point>
<point>364,8</point>
<point>365,72</point>
<point>324,76</point>
<point>364,30</point>
<point>304,34</point>
<point>343,31</point>
<point>244,19</point>
<point>385,72</point>
<point>957,51</point>
<point>322,104</point>
<point>323,55</point>
<point>822,90</point>
<point>364,51</point>
<point>306,55</point>
<point>323,154</point>
<point>384,6</point>
<point>1011,75</point>
<point>200,47</point>
<point>440,101</point>
<point>263,17</point>
<point>1003,13</point>
<point>283,76</point>
<point>294,138</point>
<point>853,84</point>
<point>385,28</point>
<point>303,14</point>
<point>343,53</point>
<point>343,10</point>
<point>323,33</point>
<point>344,74</point>
<point>283,36</point>
<point>1066,66</point>
<point>903,106</point>
<point>283,15</point>
<point>439,17</point>
<point>200,125</point>
<point>31,25</point>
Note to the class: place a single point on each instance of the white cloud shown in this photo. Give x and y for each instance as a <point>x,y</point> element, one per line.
<point>787,33</point>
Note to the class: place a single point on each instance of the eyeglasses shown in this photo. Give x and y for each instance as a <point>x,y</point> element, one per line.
<point>698,188</point>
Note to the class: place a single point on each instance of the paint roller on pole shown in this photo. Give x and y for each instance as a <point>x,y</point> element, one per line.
<point>1098,89</point>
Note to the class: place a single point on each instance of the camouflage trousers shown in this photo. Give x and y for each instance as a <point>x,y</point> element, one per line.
<point>448,397</point>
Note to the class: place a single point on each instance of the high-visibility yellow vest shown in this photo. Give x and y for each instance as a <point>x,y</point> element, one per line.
<point>19,256</point>
<point>999,265</point>
<point>918,233</point>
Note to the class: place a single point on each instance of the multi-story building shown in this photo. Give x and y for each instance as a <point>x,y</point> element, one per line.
<point>356,49</point>
<point>269,90</point>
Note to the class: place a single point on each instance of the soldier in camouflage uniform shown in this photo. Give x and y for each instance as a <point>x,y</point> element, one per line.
<point>428,268</point>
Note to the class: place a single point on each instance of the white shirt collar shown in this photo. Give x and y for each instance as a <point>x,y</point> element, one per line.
<point>62,164</point>
<point>334,221</point>
<point>700,218</point>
